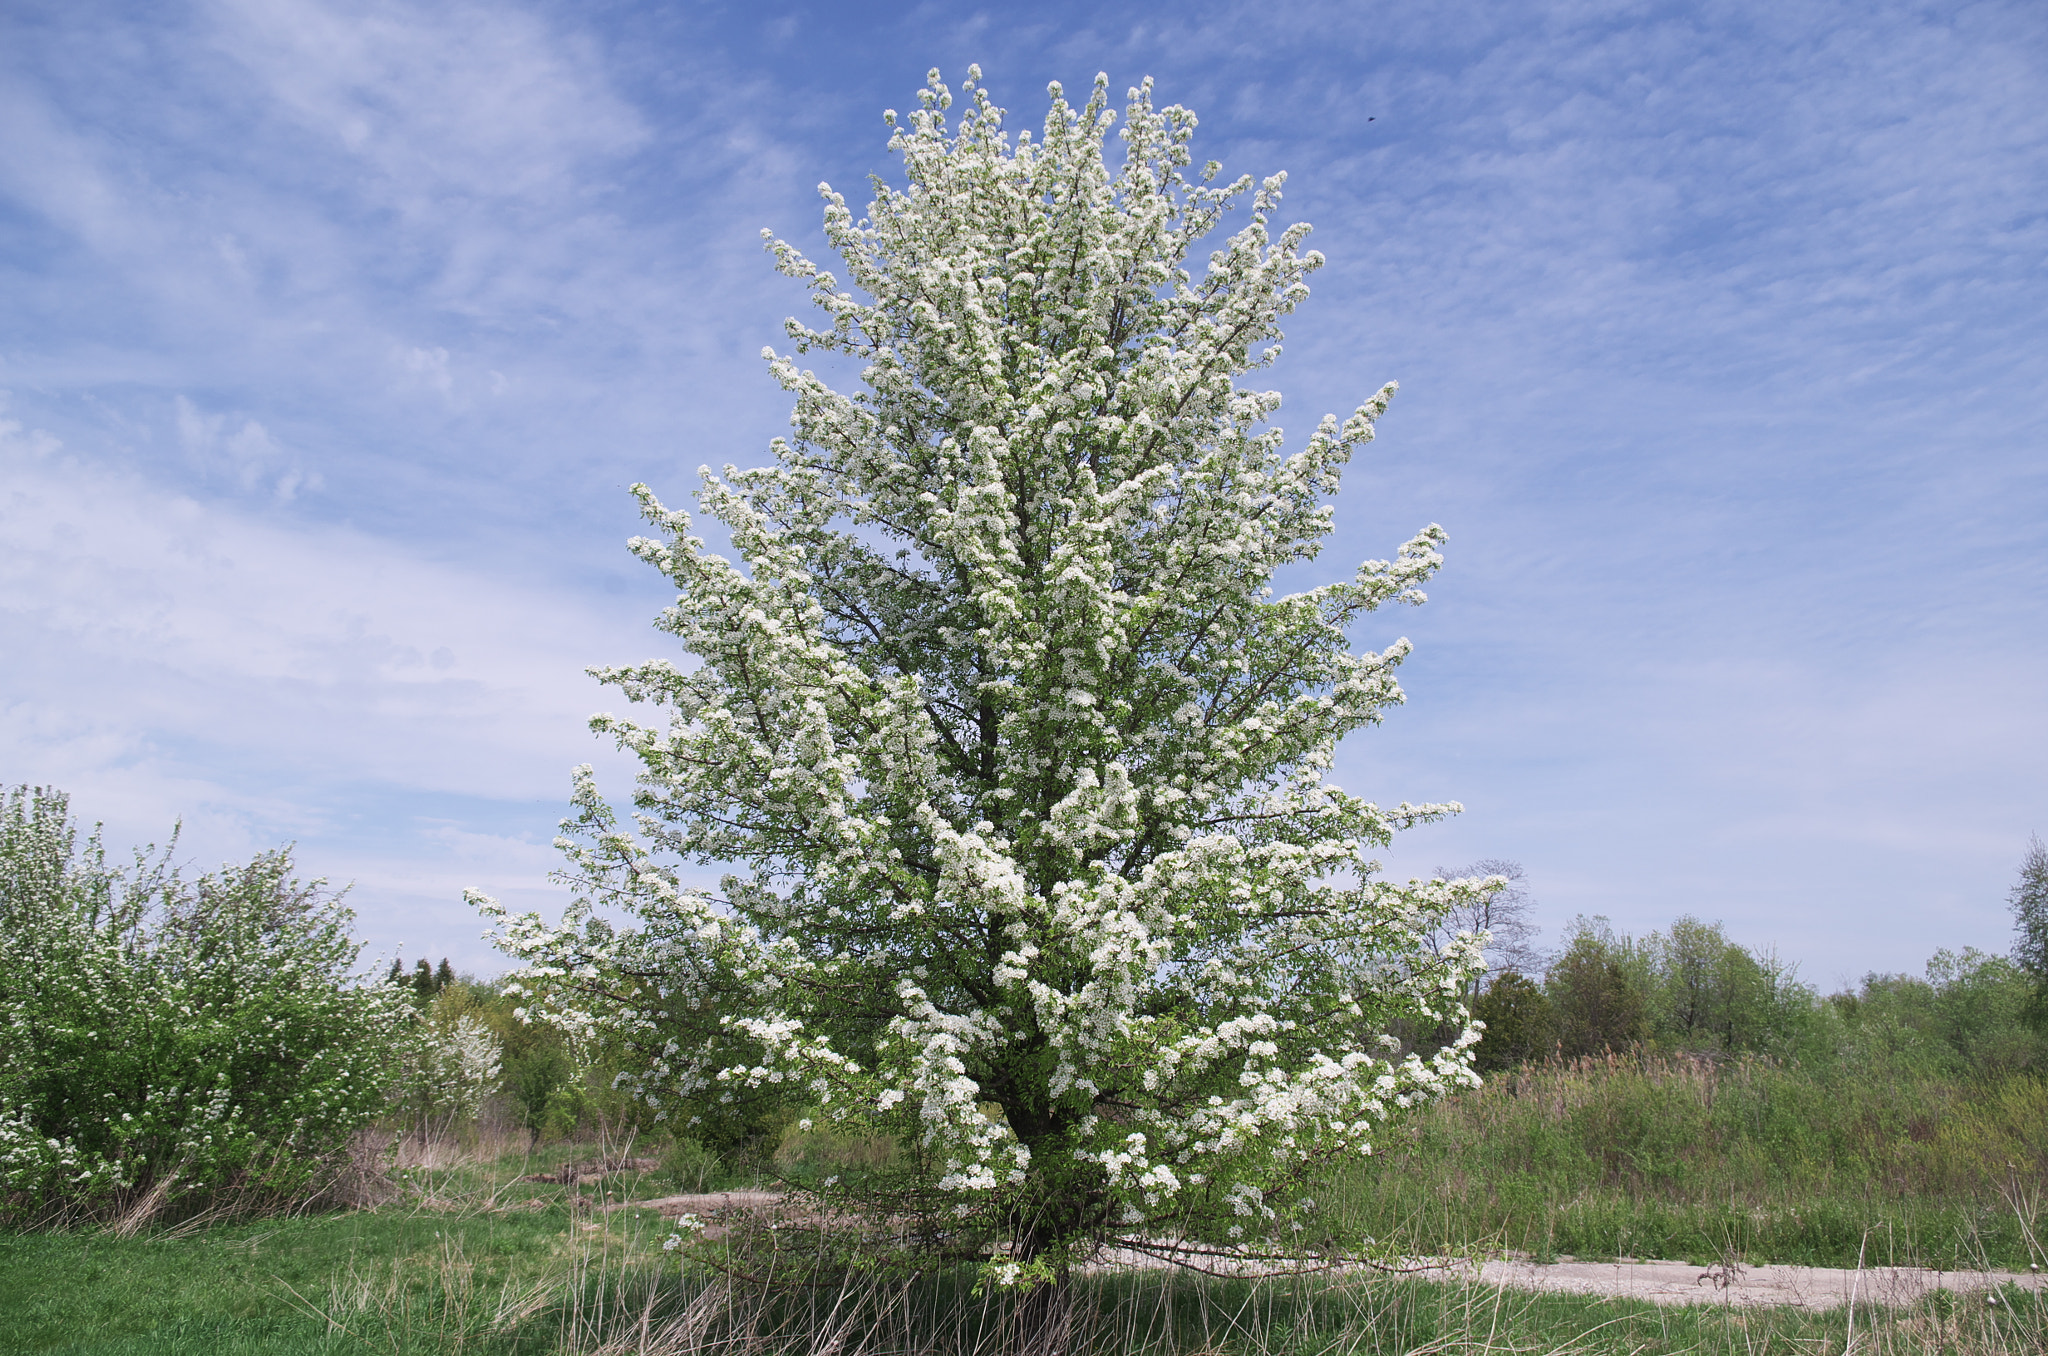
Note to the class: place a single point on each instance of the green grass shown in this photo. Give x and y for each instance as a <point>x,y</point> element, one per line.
<point>233,1287</point>
<point>1386,1316</point>
<point>405,1283</point>
<point>1620,1158</point>
<point>473,1259</point>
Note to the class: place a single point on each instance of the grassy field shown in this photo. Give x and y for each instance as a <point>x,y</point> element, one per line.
<point>254,1287</point>
<point>471,1258</point>
<point>541,1282</point>
<point>1680,1159</point>
<point>1691,1160</point>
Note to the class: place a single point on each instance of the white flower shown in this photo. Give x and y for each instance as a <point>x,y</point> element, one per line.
<point>1019,762</point>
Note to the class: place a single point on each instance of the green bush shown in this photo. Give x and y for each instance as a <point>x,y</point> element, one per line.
<point>1595,993</point>
<point>1520,1023</point>
<point>1970,1016</point>
<point>162,1038</point>
<point>534,1078</point>
<point>690,1167</point>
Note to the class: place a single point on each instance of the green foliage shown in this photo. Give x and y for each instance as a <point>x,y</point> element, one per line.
<point>1595,994</point>
<point>535,1079</point>
<point>554,1089</point>
<point>163,1037</point>
<point>537,1067</point>
<point>1705,992</point>
<point>1969,1017</point>
<point>1689,989</point>
<point>1520,1023</point>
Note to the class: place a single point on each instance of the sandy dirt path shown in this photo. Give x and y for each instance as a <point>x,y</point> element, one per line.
<point>674,1207</point>
<point>1662,1282</point>
<point>1659,1282</point>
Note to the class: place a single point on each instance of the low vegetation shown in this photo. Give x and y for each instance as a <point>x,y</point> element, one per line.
<point>170,1041</point>
<point>479,1257</point>
<point>1648,1156</point>
<point>226,1139</point>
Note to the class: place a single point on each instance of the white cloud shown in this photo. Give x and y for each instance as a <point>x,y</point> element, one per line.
<point>243,450</point>
<point>482,100</point>
<point>266,678</point>
<point>239,621</point>
<point>429,366</point>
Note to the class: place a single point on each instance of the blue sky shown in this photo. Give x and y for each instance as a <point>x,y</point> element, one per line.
<point>331,335</point>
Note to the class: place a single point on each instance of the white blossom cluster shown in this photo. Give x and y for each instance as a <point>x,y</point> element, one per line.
<point>1022,762</point>
<point>446,1070</point>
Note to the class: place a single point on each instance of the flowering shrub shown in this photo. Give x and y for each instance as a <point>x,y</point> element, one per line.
<point>448,1066</point>
<point>2029,899</point>
<point>182,1035</point>
<point>1022,761</point>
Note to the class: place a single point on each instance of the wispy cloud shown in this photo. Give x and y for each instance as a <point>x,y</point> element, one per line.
<point>242,449</point>
<point>439,103</point>
<point>268,679</point>
<point>1720,333</point>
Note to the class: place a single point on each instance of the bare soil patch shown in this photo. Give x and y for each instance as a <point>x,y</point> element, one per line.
<point>703,1203</point>
<point>1656,1281</point>
<point>1665,1282</point>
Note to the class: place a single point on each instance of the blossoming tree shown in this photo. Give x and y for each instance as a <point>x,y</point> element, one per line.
<point>1019,763</point>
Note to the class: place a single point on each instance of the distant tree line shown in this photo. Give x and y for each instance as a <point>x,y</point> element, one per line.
<point>1691,989</point>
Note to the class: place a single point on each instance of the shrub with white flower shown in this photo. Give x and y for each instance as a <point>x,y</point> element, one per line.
<point>448,1066</point>
<point>1020,763</point>
<point>168,1034</point>
<point>687,1227</point>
